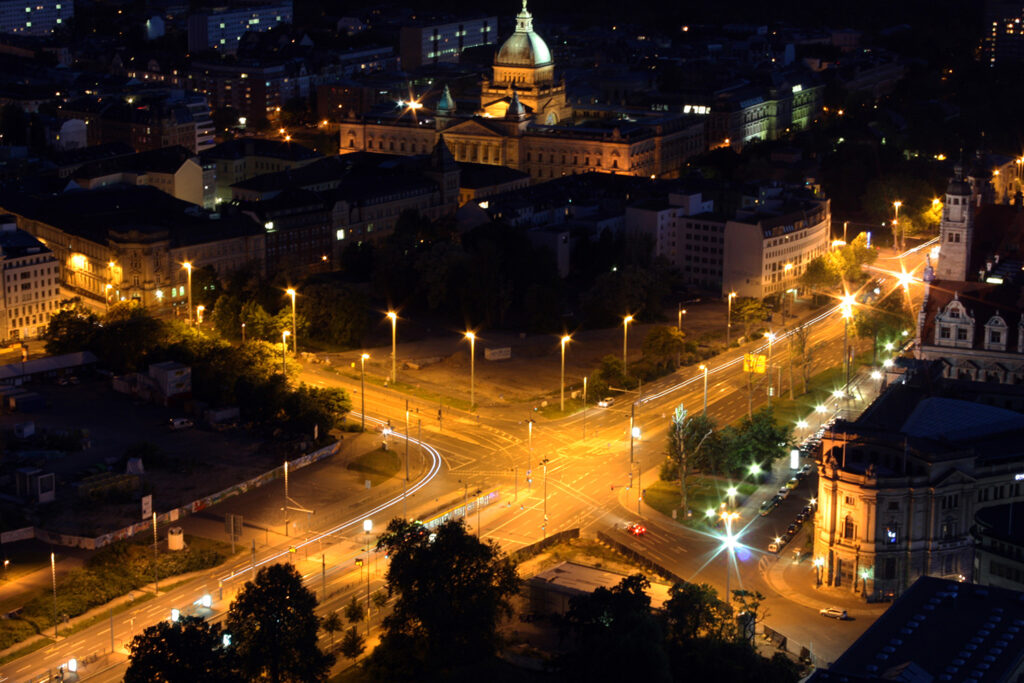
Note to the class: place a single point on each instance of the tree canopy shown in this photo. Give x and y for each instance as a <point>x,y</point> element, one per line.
<point>451,592</point>
<point>189,650</point>
<point>274,628</point>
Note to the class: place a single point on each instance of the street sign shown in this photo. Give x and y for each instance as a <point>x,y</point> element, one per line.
<point>755,362</point>
<point>147,506</point>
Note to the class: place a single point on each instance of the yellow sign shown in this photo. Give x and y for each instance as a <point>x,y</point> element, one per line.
<point>755,362</point>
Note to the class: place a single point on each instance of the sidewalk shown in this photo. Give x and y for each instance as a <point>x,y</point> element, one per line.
<point>796,581</point>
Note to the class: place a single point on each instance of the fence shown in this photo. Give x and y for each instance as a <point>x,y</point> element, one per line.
<point>195,506</point>
<point>528,551</point>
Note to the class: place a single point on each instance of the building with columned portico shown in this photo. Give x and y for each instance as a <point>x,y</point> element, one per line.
<point>524,121</point>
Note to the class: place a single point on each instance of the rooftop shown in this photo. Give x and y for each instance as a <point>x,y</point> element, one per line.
<point>939,628</point>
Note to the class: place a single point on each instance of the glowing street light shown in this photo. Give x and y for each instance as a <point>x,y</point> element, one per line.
<point>199,314</point>
<point>187,265</point>
<point>731,492</point>
<point>561,398</point>
<point>393,317</point>
<point>895,222</point>
<point>367,528</point>
<point>755,469</point>
<point>887,363</point>
<point>625,336</point>
<point>846,310</point>
<point>876,375</point>
<point>362,389</point>
<point>728,318</point>
<point>295,325</point>
<point>801,424</point>
<point>106,294</point>
<point>819,562</point>
<point>472,367</point>
<point>729,543</point>
<point>820,408</point>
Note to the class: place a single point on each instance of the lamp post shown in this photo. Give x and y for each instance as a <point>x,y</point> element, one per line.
<point>728,318</point>
<point>771,384</point>
<point>362,390</point>
<point>785,280</point>
<point>200,309</point>
<point>106,295</point>
<point>394,348</point>
<point>187,265</point>
<point>284,351</point>
<point>865,574</point>
<point>818,562</point>
<point>243,333</point>
<point>625,337</point>
<point>53,576</point>
<point>584,407</point>
<point>731,492</point>
<point>896,232</point>
<point>679,317</point>
<point>471,336</point>
<point>295,325</point>
<point>846,310</point>
<point>705,369</point>
<point>367,528</point>
<point>544,462</point>
<point>729,542</point>
<point>561,393</point>
<point>529,451</point>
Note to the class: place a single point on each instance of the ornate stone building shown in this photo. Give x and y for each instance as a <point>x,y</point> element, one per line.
<point>899,488</point>
<point>524,122</point>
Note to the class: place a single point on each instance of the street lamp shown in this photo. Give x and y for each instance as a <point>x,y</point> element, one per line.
<point>53,576</point>
<point>295,326</point>
<point>771,340</point>
<point>818,563</point>
<point>243,333</point>
<point>785,279</point>
<point>199,314</point>
<point>561,397</point>
<point>705,369</point>
<point>729,544</point>
<point>187,265</point>
<point>755,469</point>
<point>679,317</point>
<point>895,223</point>
<point>846,310</point>
<point>284,350</point>
<point>472,368</point>
<point>865,574</point>
<point>362,390</point>
<point>106,295</point>
<point>394,349</point>
<point>625,336</point>
<point>367,528</point>
<point>728,318</point>
<point>731,492</point>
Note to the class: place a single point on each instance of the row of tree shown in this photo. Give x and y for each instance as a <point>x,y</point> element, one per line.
<point>696,443</point>
<point>128,339</point>
<point>270,633</point>
<point>614,634</point>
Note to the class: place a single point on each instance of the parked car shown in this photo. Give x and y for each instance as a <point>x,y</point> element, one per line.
<point>784,492</point>
<point>793,483</point>
<point>769,505</point>
<point>775,545</point>
<point>605,402</point>
<point>806,469</point>
<point>833,613</point>
<point>636,529</point>
<point>177,423</point>
<point>792,528</point>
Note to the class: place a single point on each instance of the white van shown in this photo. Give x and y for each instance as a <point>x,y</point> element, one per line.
<point>180,423</point>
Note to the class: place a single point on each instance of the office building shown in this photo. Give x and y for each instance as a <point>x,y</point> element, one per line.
<point>222,28</point>
<point>35,17</point>
<point>31,283</point>
<point>429,42</point>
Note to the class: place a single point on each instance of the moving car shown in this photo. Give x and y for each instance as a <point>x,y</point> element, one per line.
<point>636,529</point>
<point>605,402</point>
<point>833,613</point>
<point>180,423</point>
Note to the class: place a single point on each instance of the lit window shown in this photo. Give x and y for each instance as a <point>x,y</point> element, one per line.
<point>340,234</point>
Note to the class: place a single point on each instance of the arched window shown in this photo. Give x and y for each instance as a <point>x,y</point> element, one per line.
<point>848,529</point>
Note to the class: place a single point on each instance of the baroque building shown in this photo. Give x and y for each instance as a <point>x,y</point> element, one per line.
<point>523,121</point>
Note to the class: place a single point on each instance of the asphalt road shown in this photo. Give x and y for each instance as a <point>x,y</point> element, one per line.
<point>585,483</point>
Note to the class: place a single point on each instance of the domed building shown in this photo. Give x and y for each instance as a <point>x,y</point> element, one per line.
<point>524,66</point>
<point>524,122</point>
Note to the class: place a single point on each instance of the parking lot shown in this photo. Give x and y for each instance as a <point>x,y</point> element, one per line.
<point>180,464</point>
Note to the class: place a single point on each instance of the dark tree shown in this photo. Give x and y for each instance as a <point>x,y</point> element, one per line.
<point>615,636</point>
<point>452,591</point>
<point>274,627</point>
<point>71,330</point>
<point>759,439</point>
<point>352,644</point>
<point>187,651</point>
<point>694,611</point>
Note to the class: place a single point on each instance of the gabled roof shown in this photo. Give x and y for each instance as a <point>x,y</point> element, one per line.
<point>982,301</point>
